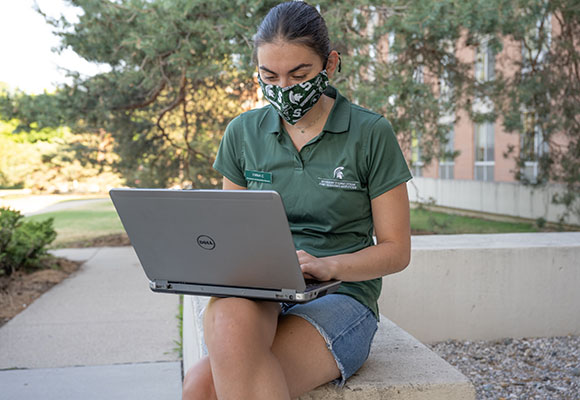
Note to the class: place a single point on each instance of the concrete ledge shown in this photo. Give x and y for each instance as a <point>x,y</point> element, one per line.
<point>193,343</point>
<point>487,287</point>
<point>399,366</point>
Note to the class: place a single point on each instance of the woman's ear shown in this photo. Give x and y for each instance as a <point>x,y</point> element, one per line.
<point>332,63</point>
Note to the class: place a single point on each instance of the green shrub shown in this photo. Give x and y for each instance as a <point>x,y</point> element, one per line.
<point>22,244</point>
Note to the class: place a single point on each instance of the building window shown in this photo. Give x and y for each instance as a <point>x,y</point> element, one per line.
<point>445,81</point>
<point>446,170</point>
<point>416,162</point>
<point>533,146</point>
<point>445,86</point>
<point>536,44</point>
<point>484,151</point>
<point>484,63</point>
<point>447,163</point>
<point>391,56</point>
<point>535,49</point>
<point>484,132</point>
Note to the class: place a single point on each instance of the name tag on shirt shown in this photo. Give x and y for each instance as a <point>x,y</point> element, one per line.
<point>258,176</point>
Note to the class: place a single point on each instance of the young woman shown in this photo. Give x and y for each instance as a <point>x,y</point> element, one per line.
<point>341,175</point>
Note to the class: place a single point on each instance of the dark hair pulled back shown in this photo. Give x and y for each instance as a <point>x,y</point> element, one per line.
<point>294,22</point>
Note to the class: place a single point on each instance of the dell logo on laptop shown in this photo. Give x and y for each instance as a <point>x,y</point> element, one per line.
<point>205,242</point>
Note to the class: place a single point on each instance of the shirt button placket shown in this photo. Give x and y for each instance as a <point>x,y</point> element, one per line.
<point>304,155</point>
<point>298,163</point>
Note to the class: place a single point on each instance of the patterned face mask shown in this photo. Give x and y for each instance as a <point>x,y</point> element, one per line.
<point>293,102</point>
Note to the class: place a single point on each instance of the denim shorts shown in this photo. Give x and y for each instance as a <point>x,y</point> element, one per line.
<point>347,326</point>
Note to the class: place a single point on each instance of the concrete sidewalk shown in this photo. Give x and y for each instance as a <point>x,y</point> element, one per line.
<point>100,334</point>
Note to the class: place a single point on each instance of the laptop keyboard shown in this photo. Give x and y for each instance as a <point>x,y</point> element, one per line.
<point>313,284</point>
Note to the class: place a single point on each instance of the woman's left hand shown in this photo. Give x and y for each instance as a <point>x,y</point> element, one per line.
<point>312,267</point>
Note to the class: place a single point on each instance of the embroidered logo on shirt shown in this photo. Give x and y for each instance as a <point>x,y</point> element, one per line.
<point>339,184</point>
<point>338,181</point>
<point>338,174</point>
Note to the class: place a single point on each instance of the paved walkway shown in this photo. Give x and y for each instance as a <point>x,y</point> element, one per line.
<point>100,334</point>
<point>40,204</point>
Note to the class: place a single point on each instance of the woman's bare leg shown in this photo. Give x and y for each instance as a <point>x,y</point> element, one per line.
<point>198,382</point>
<point>305,359</point>
<point>300,351</point>
<point>239,334</point>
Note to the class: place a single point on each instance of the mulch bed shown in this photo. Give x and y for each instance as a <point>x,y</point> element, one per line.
<point>20,289</point>
<point>120,239</point>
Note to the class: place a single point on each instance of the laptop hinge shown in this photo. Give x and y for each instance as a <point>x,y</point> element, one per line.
<point>159,285</point>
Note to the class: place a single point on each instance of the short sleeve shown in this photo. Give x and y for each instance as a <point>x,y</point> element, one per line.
<point>229,160</point>
<point>386,164</point>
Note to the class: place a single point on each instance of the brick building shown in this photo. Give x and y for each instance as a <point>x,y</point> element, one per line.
<point>483,176</point>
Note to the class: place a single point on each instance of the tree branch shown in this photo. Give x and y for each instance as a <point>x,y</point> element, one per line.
<point>151,99</point>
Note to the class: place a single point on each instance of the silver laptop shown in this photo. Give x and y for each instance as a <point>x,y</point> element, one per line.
<point>216,243</point>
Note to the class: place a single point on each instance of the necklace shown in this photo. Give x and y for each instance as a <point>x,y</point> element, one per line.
<point>304,128</point>
<point>311,124</point>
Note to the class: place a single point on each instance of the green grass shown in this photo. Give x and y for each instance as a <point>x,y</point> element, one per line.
<point>83,222</point>
<point>179,343</point>
<point>96,219</point>
<point>425,221</point>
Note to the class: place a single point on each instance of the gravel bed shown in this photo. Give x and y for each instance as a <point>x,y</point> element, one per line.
<point>539,368</point>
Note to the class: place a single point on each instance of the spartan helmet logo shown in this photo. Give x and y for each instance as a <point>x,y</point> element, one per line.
<point>338,174</point>
<point>270,92</point>
<point>295,97</point>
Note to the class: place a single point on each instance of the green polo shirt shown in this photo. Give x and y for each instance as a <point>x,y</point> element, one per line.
<point>326,187</point>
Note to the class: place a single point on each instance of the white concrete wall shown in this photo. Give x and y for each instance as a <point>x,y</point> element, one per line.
<point>505,198</point>
<point>485,287</point>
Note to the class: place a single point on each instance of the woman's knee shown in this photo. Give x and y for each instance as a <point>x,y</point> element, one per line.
<point>223,316</point>
<point>234,320</point>
<point>198,382</point>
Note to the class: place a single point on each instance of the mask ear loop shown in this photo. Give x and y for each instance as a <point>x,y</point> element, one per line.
<point>339,62</point>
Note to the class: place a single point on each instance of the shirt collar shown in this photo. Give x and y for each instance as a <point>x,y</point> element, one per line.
<point>338,119</point>
<point>270,122</point>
